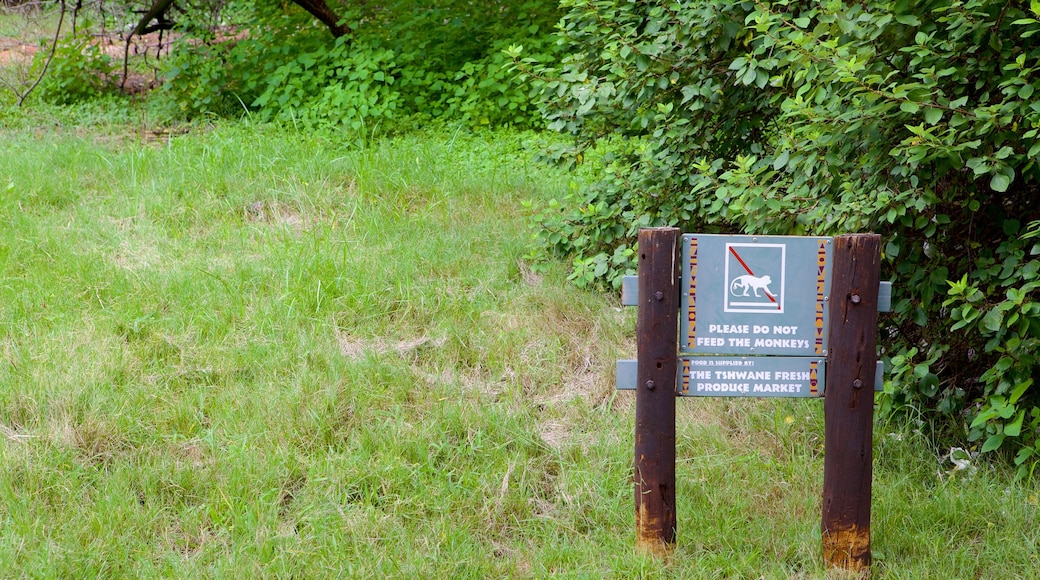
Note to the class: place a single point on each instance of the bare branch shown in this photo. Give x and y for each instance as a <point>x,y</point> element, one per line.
<point>50,57</point>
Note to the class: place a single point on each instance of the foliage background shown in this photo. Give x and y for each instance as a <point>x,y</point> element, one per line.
<point>405,62</point>
<point>916,120</point>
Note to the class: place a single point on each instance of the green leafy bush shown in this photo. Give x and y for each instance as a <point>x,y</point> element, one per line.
<point>198,81</point>
<point>404,60</point>
<point>344,85</point>
<point>78,71</point>
<point>916,120</point>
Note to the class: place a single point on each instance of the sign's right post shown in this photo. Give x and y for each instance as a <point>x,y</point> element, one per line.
<point>849,401</point>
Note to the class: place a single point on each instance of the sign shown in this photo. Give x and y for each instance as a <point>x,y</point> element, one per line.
<point>628,370</point>
<point>755,295</point>
<point>752,376</point>
<point>765,298</point>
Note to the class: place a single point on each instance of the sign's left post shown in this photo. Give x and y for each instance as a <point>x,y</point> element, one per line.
<point>657,353</point>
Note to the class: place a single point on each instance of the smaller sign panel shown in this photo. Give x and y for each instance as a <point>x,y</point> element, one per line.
<point>752,376</point>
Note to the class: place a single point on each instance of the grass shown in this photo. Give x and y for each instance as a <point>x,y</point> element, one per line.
<point>244,351</point>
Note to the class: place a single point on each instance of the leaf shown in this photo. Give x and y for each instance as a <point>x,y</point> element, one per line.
<point>1023,454</point>
<point>781,160</point>
<point>982,418</point>
<point>1019,390</point>
<point>999,182</point>
<point>1006,411</point>
<point>909,107</point>
<point>994,442</point>
<point>993,320</point>
<point>1014,428</point>
<point>933,116</point>
<point>929,385</point>
<point>920,370</point>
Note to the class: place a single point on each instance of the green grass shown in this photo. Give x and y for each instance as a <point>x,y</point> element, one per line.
<point>244,352</point>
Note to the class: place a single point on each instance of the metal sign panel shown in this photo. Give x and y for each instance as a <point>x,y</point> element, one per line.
<point>627,371</point>
<point>752,376</point>
<point>755,295</point>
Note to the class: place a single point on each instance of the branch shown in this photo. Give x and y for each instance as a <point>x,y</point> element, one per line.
<point>50,57</point>
<point>320,10</point>
<point>157,13</point>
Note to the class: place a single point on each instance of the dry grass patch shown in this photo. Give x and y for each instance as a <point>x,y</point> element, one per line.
<point>355,348</point>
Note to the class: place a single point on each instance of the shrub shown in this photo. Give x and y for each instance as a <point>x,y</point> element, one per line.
<point>403,60</point>
<point>344,85</point>
<point>917,120</point>
<point>78,71</point>
<point>198,81</point>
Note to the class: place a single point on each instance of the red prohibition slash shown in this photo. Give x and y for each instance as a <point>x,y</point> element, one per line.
<point>742,263</point>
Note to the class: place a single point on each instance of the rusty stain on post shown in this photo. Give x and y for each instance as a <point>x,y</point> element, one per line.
<point>848,408</point>
<point>657,344</point>
<point>847,548</point>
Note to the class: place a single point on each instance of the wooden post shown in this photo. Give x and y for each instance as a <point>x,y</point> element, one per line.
<point>849,401</point>
<point>657,348</point>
